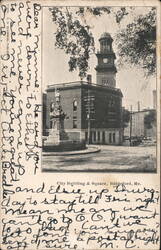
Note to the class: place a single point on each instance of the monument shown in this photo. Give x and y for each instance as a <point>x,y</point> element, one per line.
<point>58,139</point>
<point>57,116</point>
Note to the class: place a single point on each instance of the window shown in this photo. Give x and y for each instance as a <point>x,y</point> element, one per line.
<point>98,135</point>
<point>103,137</point>
<point>75,105</point>
<point>94,135</point>
<point>105,46</point>
<point>113,137</point>
<point>112,103</point>
<point>86,136</point>
<point>110,138</point>
<point>74,122</point>
<point>90,137</point>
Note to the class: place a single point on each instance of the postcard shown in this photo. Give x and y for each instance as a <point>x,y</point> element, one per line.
<point>80,124</point>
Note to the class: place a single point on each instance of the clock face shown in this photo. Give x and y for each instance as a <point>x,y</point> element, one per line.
<point>105,60</point>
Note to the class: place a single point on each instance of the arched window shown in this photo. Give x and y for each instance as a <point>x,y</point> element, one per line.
<point>75,104</point>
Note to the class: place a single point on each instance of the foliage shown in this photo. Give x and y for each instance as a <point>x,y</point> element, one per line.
<point>136,43</point>
<point>150,119</point>
<point>74,36</point>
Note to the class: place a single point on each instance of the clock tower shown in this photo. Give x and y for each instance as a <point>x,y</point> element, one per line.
<point>105,69</point>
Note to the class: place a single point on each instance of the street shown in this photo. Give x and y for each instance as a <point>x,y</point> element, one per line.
<point>109,159</point>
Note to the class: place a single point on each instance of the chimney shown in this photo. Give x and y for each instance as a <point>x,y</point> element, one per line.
<point>154,99</point>
<point>89,79</point>
<point>138,106</point>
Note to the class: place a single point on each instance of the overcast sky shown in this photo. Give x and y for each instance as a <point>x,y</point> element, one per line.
<point>129,79</point>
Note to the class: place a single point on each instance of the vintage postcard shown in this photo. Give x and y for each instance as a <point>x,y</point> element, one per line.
<point>80,124</point>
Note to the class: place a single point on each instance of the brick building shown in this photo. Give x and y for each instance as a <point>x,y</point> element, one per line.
<point>94,111</point>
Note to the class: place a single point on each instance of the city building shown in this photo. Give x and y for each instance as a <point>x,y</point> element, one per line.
<point>93,111</point>
<point>138,124</point>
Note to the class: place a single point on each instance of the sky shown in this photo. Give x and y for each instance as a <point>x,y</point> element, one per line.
<point>134,86</point>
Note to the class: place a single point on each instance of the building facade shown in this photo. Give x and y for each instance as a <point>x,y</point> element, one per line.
<point>93,111</point>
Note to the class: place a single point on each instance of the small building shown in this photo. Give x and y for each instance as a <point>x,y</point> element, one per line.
<point>94,111</point>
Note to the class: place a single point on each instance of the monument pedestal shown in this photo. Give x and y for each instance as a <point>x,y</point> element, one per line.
<point>57,133</point>
<point>55,137</point>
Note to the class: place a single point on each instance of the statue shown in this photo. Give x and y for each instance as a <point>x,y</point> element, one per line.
<point>57,113</point>
<point>57,116</point>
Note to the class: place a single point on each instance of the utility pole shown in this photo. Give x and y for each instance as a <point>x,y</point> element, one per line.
<point>88,116</point>
<point>130,125</point>
<point>89,99</point>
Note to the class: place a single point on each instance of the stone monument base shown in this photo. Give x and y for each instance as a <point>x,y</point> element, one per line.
<point>63,146</point>
<point>55,137</point>
<point>58,141</point>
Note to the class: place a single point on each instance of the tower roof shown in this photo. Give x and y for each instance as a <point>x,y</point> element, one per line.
<point>106,35</point>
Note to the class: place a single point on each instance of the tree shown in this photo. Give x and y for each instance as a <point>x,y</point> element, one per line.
<point>136,43</point>
<point>74,38</point>
<point>150,119</point>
